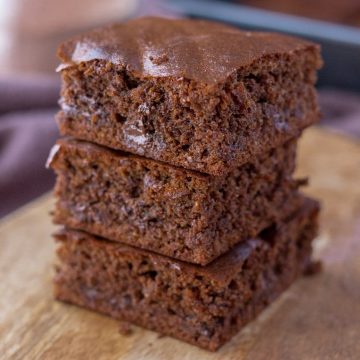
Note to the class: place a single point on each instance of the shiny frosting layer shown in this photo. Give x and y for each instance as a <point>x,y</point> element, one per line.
<point>195,49</point>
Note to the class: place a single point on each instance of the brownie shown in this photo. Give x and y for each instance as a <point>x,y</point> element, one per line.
<point>180,213</point>
<point>204,306</point>
<point>192,93</point>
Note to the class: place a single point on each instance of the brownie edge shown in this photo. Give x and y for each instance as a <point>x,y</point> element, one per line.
<point>204,306</point>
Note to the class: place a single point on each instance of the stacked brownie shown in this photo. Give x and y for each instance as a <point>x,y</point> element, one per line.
<point>175,182</point>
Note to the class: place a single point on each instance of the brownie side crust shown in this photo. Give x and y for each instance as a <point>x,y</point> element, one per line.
<point>234,95</point>
<point>204,306</point>
<point>175,212</point>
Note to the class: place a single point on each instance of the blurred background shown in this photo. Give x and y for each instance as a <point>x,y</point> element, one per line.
<point>30,31</point>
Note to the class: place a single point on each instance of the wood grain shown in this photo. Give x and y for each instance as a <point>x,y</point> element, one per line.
<point>317,318</point>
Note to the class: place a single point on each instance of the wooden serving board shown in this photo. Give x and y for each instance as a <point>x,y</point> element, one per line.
<point>317,318</point>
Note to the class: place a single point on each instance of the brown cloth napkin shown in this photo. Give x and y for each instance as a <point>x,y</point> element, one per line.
<point>28,130</point>
<point>341,111</point>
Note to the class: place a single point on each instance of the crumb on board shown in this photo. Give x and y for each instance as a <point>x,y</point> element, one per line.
<point>313,268</point>
<point>125,328</point>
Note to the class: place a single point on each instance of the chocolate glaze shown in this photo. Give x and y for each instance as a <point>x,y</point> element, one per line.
<point>195,49</point>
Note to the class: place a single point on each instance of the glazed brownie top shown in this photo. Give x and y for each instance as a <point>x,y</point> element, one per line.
<point>198,50</point>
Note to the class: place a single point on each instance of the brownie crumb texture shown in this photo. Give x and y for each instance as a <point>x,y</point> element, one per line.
<point>174,212</point>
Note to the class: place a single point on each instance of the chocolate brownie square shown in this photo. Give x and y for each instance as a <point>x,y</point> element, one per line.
<point>180,213</point>
<point>192,93</point>
<point>204,306</point>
